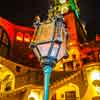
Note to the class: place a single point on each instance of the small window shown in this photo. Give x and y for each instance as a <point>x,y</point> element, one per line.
<point>27,38</point>
<point>31,98</point>
<point>70,95</point>
<point>4,42</point>
<point>19,36</point>
<point>18,69</point>
<point>96,98</point>
<point>8,86</point>
<point>68,66</point>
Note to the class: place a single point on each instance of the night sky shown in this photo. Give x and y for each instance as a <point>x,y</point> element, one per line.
<point>22,11</point>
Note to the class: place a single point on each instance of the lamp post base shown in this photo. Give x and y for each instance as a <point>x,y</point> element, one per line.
<point>47,73</point>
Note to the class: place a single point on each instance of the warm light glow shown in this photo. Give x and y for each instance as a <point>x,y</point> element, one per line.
<point>33,95</point>
<point>97,37</point>
<point>98,89</point>
<point>95,75</point>
<point>27,37</point>
<point>61,65</point>
<point>74,51</point>
<point>7,79</point>
<point>62,1</point>
<point>64,9</point>
<point>67,88</point>
<point>19,36</point>
<point>1,66</point>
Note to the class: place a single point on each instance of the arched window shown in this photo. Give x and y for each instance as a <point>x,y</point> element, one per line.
<point>8,86</point>
<point>4,42</point>
<point>70,95</point>
<point>7,81</point>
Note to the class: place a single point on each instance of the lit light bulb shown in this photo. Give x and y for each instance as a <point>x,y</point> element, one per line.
<point>95,75</point>
<point>33,95</point>
<point>62,1</point>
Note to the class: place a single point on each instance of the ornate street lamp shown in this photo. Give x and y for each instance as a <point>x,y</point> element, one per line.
<point>72,3</point>
<point>49,45</point>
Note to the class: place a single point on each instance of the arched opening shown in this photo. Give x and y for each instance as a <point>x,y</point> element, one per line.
<point>68,91</point>
<point>31,98</point>
<point>72,92</point>
<point>7,81</point>
<point>33,95</point>
<point>53,97</point>
<point>4,42</point>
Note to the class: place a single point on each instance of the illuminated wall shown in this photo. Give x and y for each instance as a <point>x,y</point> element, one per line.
<point>93,73</point>
<point>61,92</point>
<point>14,43</point>
<point>7,80</point>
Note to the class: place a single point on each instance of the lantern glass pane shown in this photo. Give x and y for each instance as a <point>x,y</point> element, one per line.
<point>44,49</point>
<point>54,50</point>
<point>45,32</point>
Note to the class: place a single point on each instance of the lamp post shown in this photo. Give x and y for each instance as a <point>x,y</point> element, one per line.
<point>49,45</point>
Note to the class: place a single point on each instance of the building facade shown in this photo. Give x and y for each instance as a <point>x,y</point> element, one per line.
<point>74,78</point>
